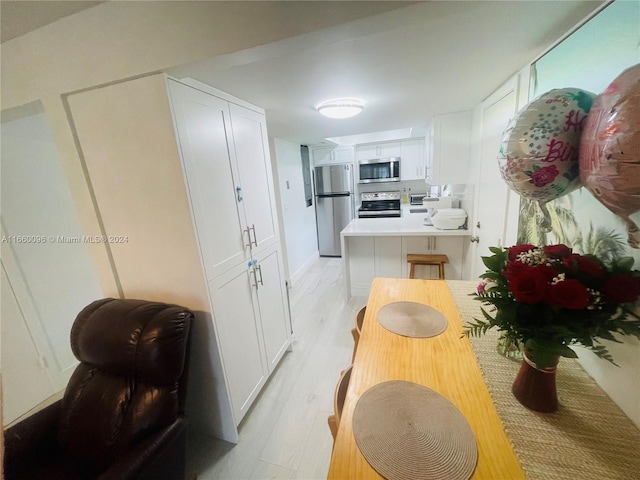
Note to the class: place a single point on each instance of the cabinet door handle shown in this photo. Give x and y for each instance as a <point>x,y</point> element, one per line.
<point>475,239</point>
<point>259,268</point>
<point>255,277</point>
<point>255,238</point>
<point>248,236</point>
<point>239,193</point>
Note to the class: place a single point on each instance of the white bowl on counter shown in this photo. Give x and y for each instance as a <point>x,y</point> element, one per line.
<point>449,218</point>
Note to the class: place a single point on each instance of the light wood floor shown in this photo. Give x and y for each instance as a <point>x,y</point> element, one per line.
<point>285,435</point>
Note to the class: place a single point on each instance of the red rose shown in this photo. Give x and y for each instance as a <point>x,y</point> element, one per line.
<point>544,176</point>
<point>528,284</point>
<point>579,265</point>
<point>557,251</point>
<point>622,288</point>
<point>518,249</point>
<point>569,294</point>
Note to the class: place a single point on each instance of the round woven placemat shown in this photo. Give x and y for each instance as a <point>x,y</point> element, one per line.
<point>410,432</point>
<point>412,319</point>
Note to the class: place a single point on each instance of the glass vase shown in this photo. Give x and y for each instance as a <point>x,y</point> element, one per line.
<point>536,388</point>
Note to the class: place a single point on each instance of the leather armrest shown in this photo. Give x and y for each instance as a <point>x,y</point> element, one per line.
<point>162,455</point>
<point>33,438</point>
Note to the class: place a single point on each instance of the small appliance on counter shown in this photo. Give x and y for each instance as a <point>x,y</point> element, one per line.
<point>417,198</point>
<point>449,218</point>
<point>379,205</point>
<point>434,203</point>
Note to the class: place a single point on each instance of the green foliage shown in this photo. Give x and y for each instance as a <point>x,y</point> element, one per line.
<point>544,327</point>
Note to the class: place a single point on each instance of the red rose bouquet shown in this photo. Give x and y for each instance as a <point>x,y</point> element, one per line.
<point>547,298</point>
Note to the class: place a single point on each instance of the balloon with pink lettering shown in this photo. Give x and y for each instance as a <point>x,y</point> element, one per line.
<point>610,149</point>
<point>538,156</point>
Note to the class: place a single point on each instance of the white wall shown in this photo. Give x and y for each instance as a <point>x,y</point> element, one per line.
<point>298,220</point>
<point>49,275</point>
<point>584,61</point>
<point>101,45</point>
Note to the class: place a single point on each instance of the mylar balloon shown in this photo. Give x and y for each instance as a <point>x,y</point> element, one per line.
<point>610,149</point>
<point>538,156</point>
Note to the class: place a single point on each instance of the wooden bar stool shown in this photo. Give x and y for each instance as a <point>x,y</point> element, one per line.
<point>417,259</point>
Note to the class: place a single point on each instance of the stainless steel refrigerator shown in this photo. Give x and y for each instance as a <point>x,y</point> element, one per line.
<point>334,205</point>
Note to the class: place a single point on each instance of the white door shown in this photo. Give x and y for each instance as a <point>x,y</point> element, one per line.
<point>273,307</point>
<point>412,160</point>
<point>493,193</point>
<point>24,376</point>
<point>202,122</point>
<point>239,337</point>
<point>254,165</point>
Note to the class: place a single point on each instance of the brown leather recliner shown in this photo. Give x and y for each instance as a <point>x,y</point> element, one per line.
<point>122,414</point>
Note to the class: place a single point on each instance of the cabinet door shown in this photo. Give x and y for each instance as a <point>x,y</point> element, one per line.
<point>451,148</point>
<point>202,122</point>
<point>412,161</point>
<point>451,246</point>
<point>367,152</point>
<point>378,150</point>
<point>392,149</point>
<point>239,337</point>
<point>272,301</point>
<point>254,166</point>
<point>322,156</point>
<point>342,155</point>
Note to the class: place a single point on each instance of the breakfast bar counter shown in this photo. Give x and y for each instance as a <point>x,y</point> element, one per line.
<point>378,247</point>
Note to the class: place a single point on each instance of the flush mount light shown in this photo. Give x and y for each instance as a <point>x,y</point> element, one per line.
<point>341,108</point>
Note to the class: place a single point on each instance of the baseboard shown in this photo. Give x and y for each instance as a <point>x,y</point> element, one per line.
<point>302,270</point>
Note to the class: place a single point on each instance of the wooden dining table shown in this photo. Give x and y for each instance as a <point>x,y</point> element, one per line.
<point>444,363</point>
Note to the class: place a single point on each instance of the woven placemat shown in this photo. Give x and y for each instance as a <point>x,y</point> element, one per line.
<point>410,432</point>
<point>589,437</point>
<point>412,319</point>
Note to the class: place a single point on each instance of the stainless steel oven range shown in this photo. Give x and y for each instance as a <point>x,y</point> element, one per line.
<point>379,205</point>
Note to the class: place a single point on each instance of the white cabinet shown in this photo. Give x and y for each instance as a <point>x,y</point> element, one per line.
<point>189,181</point>
<point>268,277</point>
<point>448,149</point>
<point>239,335</point>
<point>451,246</point>
<point>411,153</point>
<point>255,180</point>
<point>332,155</point>
<point>378,150</point>
<point>212,176</point>
<point>412,160</point>
<point>386,256</point>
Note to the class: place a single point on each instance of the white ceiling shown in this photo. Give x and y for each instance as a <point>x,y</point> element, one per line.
<point>18,17</point>
<point>408,64</point>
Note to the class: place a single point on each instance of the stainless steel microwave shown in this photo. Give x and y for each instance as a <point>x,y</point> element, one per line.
<point>379,170</point>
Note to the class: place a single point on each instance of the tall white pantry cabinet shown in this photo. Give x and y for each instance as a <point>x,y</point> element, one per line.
<point>183,171</point>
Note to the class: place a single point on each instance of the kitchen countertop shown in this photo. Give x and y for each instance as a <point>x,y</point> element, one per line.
<point>409,224</point>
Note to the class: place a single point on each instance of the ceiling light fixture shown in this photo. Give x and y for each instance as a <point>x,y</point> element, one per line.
<point>340,108</point>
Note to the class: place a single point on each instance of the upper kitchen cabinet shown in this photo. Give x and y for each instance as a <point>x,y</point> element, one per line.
<point>412,160</point>
<point>332,155</point>
<point>378,150</point>
<point>448,148</point>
